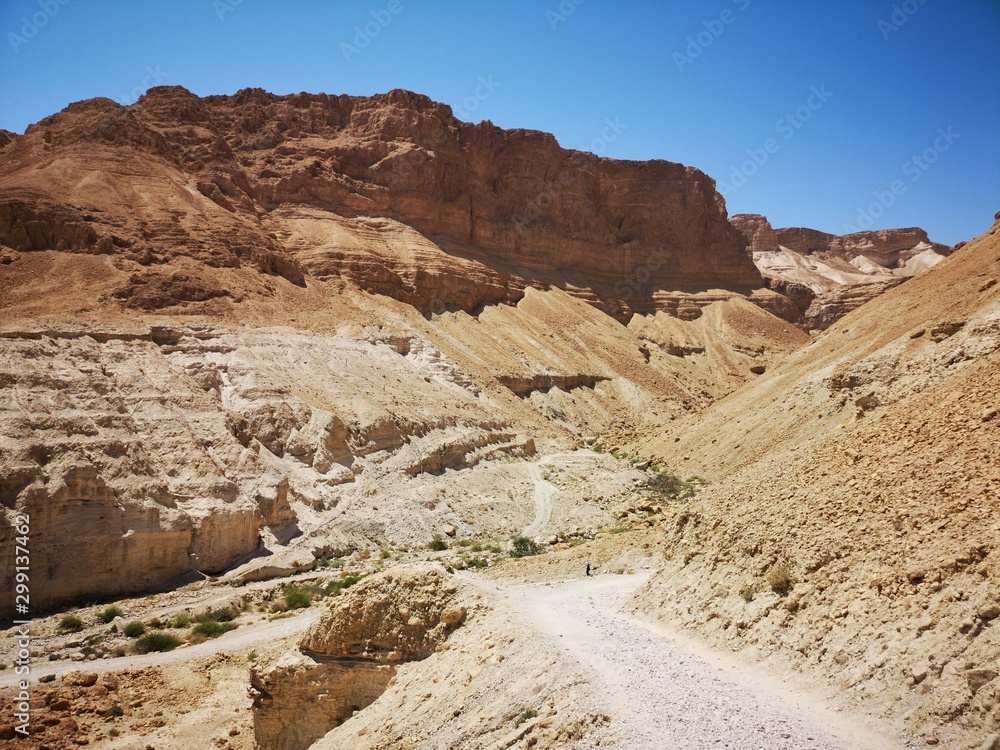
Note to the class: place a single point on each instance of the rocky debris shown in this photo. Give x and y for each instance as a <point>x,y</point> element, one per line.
<point>826,276</point>
<point>350,656</point>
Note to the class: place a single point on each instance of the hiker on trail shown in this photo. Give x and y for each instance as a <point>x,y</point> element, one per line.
<point>588,567</point>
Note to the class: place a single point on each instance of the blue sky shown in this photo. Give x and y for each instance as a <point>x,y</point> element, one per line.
<point>832,114</point>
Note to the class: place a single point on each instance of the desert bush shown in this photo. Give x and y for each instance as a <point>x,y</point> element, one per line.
<point>673,487</point>
<point>385,554</point>
<point>779,578</point>
<point>296,598</point>
<point>529,714</point>
<point>134,629</point>
<point>180,620</point>
<point>521,546</point>
<point>212,629</point>
<point>223,614</point>
<point>158,641</point>
<point>70,623</point>
<point>110,614</point>
<point>335,587</point>
<point>747,594</point>
<point>437,544</point>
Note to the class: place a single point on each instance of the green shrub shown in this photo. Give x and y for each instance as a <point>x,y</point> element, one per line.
<point>71,623</point>
<point>296,598</point>
<point>619,530</point>
<point>212,629</point>
<point>521,546</point>
<point>474,562</point>
<point>747,594</point>
<point>529,714</point>
<point>134,629</point>
<point>463,543</point>
<point>385,554</point>
<point>180,620</point>
<point>158,641</point>
<point>335,587</point>
<point>224,614</point>
<point>109,614</point>
<point>437,544</point>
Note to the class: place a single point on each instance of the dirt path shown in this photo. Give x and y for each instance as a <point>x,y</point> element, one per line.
<point>663,691</point>
<point>235,640</point>
<point>543,501</point>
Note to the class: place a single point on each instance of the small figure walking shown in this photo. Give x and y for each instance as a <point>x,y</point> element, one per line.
<point>588,567</point>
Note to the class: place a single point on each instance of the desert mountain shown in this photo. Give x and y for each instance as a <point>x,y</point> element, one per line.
<point>243,336</point>
<point>229,321</point>
<point>828,275</point>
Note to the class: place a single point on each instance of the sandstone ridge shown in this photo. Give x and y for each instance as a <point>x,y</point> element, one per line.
<point>307,186</point>
<point>828,275</point>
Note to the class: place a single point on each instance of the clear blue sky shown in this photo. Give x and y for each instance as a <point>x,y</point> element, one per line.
<point>728,86</point>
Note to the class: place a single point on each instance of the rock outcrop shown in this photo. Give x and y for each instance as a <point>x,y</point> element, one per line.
<point>347,659</point>
<point>828,275</point>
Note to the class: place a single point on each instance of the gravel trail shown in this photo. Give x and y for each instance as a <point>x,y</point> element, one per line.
<point>262,632</point>
<point>543,501</point>
<point>664,692</point>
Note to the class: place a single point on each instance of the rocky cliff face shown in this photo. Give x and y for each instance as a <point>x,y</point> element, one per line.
<point>828,275</point>
<point>302,184</point>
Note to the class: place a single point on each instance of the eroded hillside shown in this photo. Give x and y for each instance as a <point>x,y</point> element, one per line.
<point>853,527</point>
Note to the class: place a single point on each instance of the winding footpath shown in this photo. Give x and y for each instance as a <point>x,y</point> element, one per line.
<point>664,692</point>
